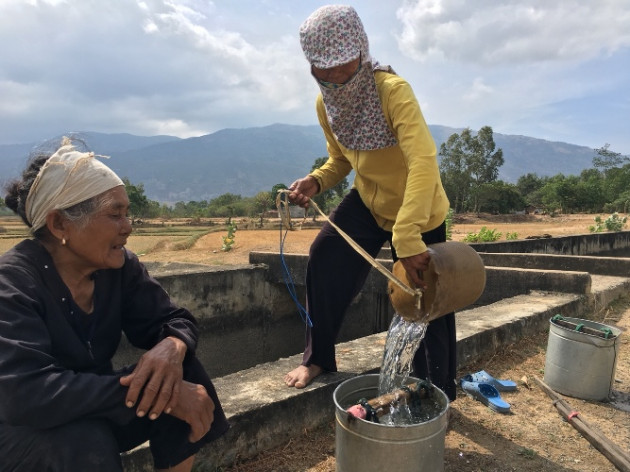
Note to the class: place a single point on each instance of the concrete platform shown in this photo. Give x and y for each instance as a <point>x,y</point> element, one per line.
<point>265,413</point>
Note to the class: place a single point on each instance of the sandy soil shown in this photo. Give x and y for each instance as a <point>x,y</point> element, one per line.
<point>207,250</point>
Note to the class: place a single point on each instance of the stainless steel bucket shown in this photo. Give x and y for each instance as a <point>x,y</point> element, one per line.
<point>363,446</point>
<point>578,364</point>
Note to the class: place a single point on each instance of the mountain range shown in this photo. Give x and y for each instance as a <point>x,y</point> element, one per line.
<point>250,160</point>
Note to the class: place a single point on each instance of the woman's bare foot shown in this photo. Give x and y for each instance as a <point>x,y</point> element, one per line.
<point>302,375</point>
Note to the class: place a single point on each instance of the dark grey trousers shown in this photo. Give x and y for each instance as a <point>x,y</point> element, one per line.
<point>335,275</point>
<point>95,444</point>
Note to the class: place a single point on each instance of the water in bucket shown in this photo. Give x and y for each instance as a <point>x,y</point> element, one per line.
<point>403,339</point>
<point>455,278</point>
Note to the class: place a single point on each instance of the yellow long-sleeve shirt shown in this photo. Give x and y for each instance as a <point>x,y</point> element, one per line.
<point>401,184</point>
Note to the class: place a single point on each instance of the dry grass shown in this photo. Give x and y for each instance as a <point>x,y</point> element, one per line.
<point>177,240</point>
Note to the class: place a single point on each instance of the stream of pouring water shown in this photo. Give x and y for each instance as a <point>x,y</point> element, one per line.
<point>403,339</point>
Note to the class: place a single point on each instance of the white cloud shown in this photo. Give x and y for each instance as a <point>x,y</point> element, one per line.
<point>522,66</point>
<point>478,90</point>
<point>191,67</point>
<point>175,61</point>
<point>513,31</point>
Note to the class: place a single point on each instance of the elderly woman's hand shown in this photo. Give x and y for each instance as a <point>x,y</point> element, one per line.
<point>196,408</point>
<point>157,377</point>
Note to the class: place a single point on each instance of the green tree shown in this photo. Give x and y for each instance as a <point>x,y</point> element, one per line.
<point>261,204</point>
<point>484,162</point>
<point>228,205</point>
<point>154,210</point>
<point>564,194</point>
<point>196,209</point>
<point>616,182</point>
<point>225,199</point>
<point>616,172</point>
<point>274,193</point>
<point>454,173</point>
<point>324,199</point>
<point>607,159</point>
<point>619,204</point>
<point>500,197</point>
<point>138,201</point>
<point>529,186</point>
<point>165,211</point>
<point>591,190</point>
<point>4,209</point>
<point>467,162</point>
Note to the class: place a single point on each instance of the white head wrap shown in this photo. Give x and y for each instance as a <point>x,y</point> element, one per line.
<point>67,178</point>
<point>331,36</point>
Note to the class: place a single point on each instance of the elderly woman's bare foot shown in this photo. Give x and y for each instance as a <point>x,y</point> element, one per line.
<point>302,375</point>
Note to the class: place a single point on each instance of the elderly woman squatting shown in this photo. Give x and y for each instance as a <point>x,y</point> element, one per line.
<point>66,296</point>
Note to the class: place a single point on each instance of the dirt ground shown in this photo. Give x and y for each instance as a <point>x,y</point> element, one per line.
<point>207,250</point>
<point>533,437</point>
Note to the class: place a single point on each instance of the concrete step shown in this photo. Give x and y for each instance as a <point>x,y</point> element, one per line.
<point>264,413</point>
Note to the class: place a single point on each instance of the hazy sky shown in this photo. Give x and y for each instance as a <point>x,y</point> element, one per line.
<point>551,69</point>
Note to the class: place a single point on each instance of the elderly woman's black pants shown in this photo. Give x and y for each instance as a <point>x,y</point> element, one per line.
<point>335,275</point>
<point>95,444</point>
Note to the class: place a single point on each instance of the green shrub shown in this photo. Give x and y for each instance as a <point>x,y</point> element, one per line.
<point>612,223</point>
<point>228,240</point>
<point>449,224</point>
<point>484,235</point>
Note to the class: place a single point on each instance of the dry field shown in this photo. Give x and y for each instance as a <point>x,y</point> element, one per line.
<point>207,249</point>
<point>177,241</point>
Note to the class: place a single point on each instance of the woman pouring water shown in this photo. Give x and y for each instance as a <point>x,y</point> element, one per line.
<point>66,295</point>
<point>373,125</point>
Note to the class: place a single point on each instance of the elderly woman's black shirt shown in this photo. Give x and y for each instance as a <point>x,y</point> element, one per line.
<point>55,361</point>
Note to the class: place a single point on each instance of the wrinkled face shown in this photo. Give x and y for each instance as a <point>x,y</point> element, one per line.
<point>338,74</point>
<point>99,245</point>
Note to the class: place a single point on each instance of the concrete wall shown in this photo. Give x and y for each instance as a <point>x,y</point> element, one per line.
<point>616,266</point>
<point>247,315</point>
<point>580,245</point>
<point>591,244</point>
<point>241,315</point>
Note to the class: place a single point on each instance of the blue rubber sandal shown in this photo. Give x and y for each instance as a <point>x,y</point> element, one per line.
<point>484,377</point>
<point>486,394</point>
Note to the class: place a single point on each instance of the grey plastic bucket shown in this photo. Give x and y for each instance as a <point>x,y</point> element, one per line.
<point>363,446</point>
<point>578,364</point>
